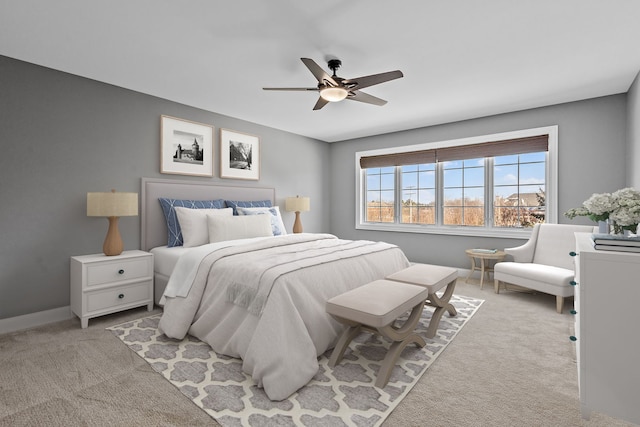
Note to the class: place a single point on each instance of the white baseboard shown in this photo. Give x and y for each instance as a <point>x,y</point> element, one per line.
<point>32,320</point>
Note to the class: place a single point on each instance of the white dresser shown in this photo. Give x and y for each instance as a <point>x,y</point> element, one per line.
<point>103,284</point>
<point>607,330</point>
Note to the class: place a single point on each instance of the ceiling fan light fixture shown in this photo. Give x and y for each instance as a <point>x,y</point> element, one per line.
<point>333,94</point>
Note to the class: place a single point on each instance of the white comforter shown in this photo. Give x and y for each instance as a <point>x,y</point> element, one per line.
<point>264,302</point>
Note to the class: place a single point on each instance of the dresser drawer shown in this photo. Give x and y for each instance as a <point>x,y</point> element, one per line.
<point>122,295</point>
<point>118,270</point>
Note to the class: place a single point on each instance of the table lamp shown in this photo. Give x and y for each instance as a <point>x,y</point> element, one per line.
<point>297,204</point>
<point>112,205</point>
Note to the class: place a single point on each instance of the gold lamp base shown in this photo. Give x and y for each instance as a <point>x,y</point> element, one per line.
<point>113,242</point>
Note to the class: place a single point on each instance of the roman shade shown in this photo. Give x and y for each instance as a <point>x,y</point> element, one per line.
<point>397,159</point>
<point>530,144</point>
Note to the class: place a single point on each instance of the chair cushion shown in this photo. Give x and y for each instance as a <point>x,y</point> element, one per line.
<point>377,303</point>
<point>542,273</point>
<point>432,277</point>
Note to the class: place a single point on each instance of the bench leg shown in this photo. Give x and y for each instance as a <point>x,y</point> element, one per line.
<point>345,339</point>
<point>401,337</point>
<point>390,359</point>
<point>441,304</point>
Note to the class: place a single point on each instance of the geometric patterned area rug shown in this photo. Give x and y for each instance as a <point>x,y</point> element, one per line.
<point>342,396</point>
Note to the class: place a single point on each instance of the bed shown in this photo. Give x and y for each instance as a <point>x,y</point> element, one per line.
<point>153,235</point>
<point>259,299</point>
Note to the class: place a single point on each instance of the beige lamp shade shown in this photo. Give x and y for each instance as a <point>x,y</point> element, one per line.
<point>297,204</point>
<point>112,205</point>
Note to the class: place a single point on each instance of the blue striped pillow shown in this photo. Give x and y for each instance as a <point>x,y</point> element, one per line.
<point>174,234</point>
<point>249,204</point>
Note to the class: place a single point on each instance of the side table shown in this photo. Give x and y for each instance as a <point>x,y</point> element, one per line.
<point>484,257</point>
<point>103,284</point>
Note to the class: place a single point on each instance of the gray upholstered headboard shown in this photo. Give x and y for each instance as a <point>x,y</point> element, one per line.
<point>154,227</point>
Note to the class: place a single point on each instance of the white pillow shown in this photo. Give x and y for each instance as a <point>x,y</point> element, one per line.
<point>223,228</point>
<point>277,226</point>
<point>193,223</point>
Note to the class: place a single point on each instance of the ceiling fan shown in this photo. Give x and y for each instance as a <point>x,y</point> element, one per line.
<point>334,88</point>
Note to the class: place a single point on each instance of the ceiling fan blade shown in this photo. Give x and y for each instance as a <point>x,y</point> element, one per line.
<point>365,97</point>
<point>374,79</point>
<point>318,72</point>
<point>315,89</point>
<point>321,103</point>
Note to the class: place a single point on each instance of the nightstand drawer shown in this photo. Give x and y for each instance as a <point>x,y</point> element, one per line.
<point>118,270</point>
<point>109,298</point>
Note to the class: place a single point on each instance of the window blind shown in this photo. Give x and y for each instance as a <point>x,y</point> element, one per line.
<point>530,144</point>
<point>396,159</point>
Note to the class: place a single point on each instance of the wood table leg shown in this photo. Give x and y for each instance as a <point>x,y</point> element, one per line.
<point>481,273</point>
<point>473,268</point>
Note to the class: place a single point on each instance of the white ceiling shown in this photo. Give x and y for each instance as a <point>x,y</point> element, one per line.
<point>460,59</point>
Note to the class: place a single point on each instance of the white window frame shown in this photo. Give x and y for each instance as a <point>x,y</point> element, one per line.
<point>551,187</point>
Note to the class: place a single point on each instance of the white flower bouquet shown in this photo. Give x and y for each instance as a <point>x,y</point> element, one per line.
<point>621,208</point>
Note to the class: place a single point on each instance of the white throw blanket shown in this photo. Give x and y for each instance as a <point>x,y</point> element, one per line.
<point>265,302</point>
<point>186,268</point>
<point>250,287</point>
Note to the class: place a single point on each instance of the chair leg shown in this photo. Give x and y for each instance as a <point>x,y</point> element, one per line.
<point>496,286</point>
<point>559,303</point>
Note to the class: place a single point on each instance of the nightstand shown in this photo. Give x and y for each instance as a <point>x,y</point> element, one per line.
<point>103,284</point>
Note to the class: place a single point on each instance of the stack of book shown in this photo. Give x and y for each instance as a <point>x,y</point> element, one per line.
<point>484,251</point>
<point>615,242</point>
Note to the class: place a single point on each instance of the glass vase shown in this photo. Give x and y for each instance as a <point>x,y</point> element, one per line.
<point>603,227</point>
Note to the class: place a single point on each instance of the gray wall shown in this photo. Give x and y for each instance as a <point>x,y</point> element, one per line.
<point>591,159</point>
<point>62,136</point>
<point>633,134</point>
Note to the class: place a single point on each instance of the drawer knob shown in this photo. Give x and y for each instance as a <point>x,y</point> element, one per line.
<point>121,296</point>
<point>573,338</point>
<point>573,283</point>
<point>573,312</point>
<point>572,253</point>
<point>121,271</point>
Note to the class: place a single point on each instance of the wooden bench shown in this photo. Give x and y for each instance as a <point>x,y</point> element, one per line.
<point>433,278</point>
<point>375,307</point>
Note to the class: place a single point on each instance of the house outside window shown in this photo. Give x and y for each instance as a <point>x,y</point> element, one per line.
<point>494,185</point>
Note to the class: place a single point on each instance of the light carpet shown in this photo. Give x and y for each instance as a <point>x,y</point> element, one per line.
<point>342,396</point>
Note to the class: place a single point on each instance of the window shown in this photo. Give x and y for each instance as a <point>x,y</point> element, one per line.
<point>463,186</point>
<point>519,190</point>
<point>495,185</point>
<point>380,194</point>
<point>418,194</point>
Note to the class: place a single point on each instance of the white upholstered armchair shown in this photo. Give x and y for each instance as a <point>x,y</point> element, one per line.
<point>543,263</point>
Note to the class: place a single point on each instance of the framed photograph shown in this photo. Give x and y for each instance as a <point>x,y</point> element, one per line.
<point>239,155</point>
<point>186,147</point>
